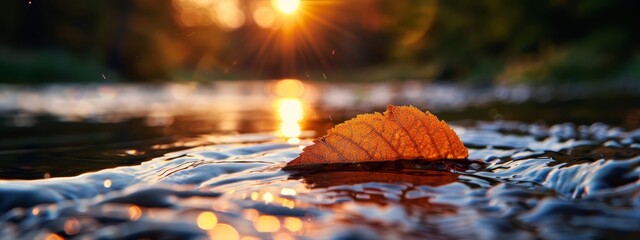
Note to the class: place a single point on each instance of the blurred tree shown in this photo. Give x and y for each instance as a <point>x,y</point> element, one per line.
<point>481,41</point>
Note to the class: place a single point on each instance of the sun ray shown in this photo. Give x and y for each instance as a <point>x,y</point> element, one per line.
<point>297,40</point>
<point>286,6</point>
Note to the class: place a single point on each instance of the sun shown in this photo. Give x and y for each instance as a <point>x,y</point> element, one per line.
<point>286,6</point>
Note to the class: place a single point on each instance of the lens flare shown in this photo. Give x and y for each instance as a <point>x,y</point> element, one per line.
<point>286,6</point>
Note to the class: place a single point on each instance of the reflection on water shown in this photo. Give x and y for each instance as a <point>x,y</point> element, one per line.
<point>266,223</point>
<point>289,107</point>
<point>537,181</point>
<point>290,112</point>
<point>534,182</point>
<point>224,231</point>
<point>207,220</point>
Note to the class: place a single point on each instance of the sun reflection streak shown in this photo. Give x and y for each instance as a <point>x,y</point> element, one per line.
<point>289,107</point>
<point>291,113</point>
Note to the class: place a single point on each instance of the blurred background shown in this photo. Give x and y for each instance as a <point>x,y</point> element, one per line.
<point>478,42</point>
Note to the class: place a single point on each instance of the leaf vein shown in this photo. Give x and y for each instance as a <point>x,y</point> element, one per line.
<point>355,144</point>
<point>415,145</point>
<point>399,156</point>
<point>344,159</point>
<point>429,133</point>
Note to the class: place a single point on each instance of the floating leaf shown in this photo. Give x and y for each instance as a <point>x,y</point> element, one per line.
<point>402,132</point>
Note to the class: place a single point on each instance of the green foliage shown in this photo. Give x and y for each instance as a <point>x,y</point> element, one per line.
<point>35,67</point>
<point>512,41</point>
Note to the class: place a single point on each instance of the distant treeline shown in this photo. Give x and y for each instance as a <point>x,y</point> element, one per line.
<point>481,41</point>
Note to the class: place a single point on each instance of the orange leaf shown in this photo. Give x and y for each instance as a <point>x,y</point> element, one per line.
<point>402,132</point>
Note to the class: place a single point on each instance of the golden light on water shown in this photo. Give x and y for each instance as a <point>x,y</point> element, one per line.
<point>207,220</point>
<point>223,231</point>
<point>107,183</point>
<point>288,192</point>
<point>35,211</point>
<point>267,197</point>
<point>267,223</point>
<point>134,213</point>
<point>288,203</point>
<point>293,140</point>
<point>294,224</point>
<point>286,6</point>
<point>291,113</point>
<point>290,110</point>
<point>289,107</point>
<point>288,88</point>
<point>53,236</point>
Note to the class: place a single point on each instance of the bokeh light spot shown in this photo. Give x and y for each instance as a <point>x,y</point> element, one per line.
<point>267,197</point>
<point>107,183</point>
<point>53,236</point>
<point>224,231</point>
<point>267,223</point>
<point>71,226</point>
<point>288,192</point>
<point>264,17</point>
<point>294,224</point>
<point>134,213</point>
<point>207,220</point>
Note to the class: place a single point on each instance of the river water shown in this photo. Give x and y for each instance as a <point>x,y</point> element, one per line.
<point>205,162</point>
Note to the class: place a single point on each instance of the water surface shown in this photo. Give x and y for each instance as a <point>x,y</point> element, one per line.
<point>188,176</point>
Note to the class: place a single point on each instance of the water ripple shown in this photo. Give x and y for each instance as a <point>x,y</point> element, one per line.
<point>528,182</point>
